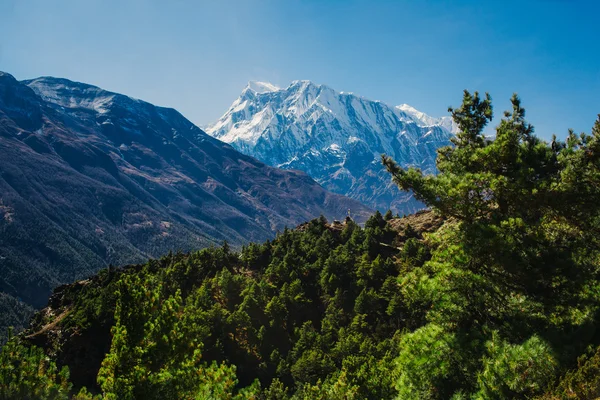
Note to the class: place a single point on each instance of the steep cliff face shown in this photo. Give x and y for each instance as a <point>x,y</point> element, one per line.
<point>335,137</point>
<point>90,178</point>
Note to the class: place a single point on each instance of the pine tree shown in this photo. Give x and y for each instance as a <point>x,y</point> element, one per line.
<point>519,255</point>
<point>388,215</point>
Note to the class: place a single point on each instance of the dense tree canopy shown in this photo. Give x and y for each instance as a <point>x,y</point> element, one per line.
<point>511,290</point>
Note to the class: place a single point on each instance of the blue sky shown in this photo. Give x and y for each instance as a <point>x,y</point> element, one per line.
<point>197,56</point>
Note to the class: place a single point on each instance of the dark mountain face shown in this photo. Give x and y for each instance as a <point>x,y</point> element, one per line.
<point>90,178</point>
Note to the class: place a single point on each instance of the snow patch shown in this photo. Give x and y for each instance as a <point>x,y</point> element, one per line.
<point>262,87</point>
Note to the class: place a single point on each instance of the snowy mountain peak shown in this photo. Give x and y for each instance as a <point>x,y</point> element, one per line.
<point>424,119</point>
<point>303,84</point>
<point>336,137</point>
<point>262,87</point>
<point>412,111</point>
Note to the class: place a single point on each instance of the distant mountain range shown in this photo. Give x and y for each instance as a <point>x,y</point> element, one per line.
<point>90,178</point>
<point>335,137</point>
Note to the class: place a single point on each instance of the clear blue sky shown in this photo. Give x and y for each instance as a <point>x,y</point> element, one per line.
<point>197,56</point>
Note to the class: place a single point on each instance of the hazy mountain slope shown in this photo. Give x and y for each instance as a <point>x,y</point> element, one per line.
<point>337,138</point>
<point>89,177</point>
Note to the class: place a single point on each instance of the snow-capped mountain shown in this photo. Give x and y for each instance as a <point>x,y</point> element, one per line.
<point>425,120</point>
<point>335,137</point>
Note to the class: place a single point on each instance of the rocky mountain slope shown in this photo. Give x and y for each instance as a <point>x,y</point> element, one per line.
<point>90,178</point>
<point>335,137</point>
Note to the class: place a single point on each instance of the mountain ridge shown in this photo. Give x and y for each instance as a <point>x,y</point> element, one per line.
<point>90,178</point>
<point>335,137</point>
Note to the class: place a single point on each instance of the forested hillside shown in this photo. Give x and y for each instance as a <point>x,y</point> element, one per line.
<point>493,294</point>
<point>90,178</point>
